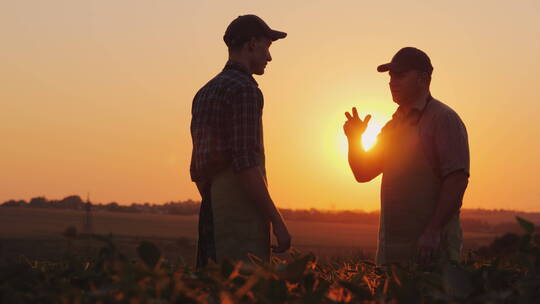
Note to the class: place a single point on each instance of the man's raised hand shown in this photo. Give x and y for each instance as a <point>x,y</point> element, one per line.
<point>354,127</point>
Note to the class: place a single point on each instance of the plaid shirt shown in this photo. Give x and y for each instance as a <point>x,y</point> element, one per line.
<point>226,124</point>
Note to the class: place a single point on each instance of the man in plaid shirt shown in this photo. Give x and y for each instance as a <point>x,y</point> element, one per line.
<point>227,161</point>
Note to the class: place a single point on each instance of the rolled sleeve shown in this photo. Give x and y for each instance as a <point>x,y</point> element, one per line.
<point>452,145</point>
<point>247,147</point>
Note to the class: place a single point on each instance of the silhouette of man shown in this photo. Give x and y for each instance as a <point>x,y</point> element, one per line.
<point>423,155</point>
<point>228,160</point>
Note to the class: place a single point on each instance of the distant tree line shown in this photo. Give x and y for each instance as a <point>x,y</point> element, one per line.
<point>74,202</point>
<point>344,216</point>
<point>190,207</point>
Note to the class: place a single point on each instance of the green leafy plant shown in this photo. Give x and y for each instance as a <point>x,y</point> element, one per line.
<point>506,271</point>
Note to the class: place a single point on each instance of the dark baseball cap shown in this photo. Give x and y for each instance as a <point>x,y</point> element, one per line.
<point>406,59</point>
<point>245,27</point>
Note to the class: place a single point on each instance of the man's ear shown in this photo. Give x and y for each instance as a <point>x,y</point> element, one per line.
<point>423,78</point>
<point>251,44</point>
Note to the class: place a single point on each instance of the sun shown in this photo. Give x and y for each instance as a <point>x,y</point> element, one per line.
<point>369,138</point>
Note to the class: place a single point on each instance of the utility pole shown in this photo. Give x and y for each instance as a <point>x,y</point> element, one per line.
<point>88,225</point>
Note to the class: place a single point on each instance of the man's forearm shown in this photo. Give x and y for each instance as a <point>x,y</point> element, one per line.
<point>450,201</point>
<point>362,165</point>
<point>256,189</point>
<point>355,157</point>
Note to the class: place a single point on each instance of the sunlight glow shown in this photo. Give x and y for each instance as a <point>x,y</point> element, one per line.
<point>369,138</point>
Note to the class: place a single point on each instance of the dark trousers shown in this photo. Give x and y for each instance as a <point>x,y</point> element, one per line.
<point>206,249</point>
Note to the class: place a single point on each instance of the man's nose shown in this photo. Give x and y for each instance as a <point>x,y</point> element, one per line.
<point>269,58</point>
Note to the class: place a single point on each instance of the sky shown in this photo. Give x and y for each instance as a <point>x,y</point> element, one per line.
<point>96,95</point>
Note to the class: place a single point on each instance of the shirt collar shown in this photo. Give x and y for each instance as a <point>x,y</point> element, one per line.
<point>234,65</point>
<point>417,106</point>
<point>414,113</point>
<point>421,102</point>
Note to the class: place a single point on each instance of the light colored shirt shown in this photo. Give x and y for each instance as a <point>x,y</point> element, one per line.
<point>442,133</point>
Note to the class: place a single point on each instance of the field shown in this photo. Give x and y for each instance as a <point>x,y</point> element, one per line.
<point>38,233</point>
<point>149,258</point>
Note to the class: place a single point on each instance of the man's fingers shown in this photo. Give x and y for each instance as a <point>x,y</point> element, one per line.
<point>283,243</point>
<point>367,118</point>
<point>348,115</point>
<point>277,250</point>
<point>429,255</point>
<point>425,255</point>
<point>355,113</point>
<point>280,248</point>
<point>422,255</point>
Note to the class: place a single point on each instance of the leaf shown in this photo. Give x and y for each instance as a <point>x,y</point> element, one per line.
<point>277,291</point>
<point>149,253</point>
<point>227,268</point>
<point>526,225</point>
<point>362,292</point>
<point>295,269</point>
<point>309,281</point>
<point>456,281</point>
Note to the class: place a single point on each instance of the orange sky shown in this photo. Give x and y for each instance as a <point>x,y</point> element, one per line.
<point>96,95</point>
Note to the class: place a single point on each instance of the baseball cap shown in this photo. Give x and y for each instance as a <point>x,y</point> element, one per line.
<point>245,27</point>
<point>408,58</point>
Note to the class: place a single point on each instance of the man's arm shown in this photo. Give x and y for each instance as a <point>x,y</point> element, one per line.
<point>452,191</point>
<point>248,153</point>
<point>255,187</point>
<point>365,165</point>
<point>452,147</point>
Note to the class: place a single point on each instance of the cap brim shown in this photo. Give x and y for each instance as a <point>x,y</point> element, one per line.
<point>391,67</point>
<point>275,35</point>
<point>384,67</point>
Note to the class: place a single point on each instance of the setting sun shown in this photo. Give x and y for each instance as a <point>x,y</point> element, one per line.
<point>369,138</point>
<point>104,105</point>
<point>185,137</point>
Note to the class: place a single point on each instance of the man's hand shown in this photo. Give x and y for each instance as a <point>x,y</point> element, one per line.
<point>282,235</point>
<point>354,127</point>
<point>428,246</point>
<point>255,186</point>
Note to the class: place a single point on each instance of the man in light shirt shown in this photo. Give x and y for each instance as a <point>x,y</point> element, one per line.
<point>423,156</point>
